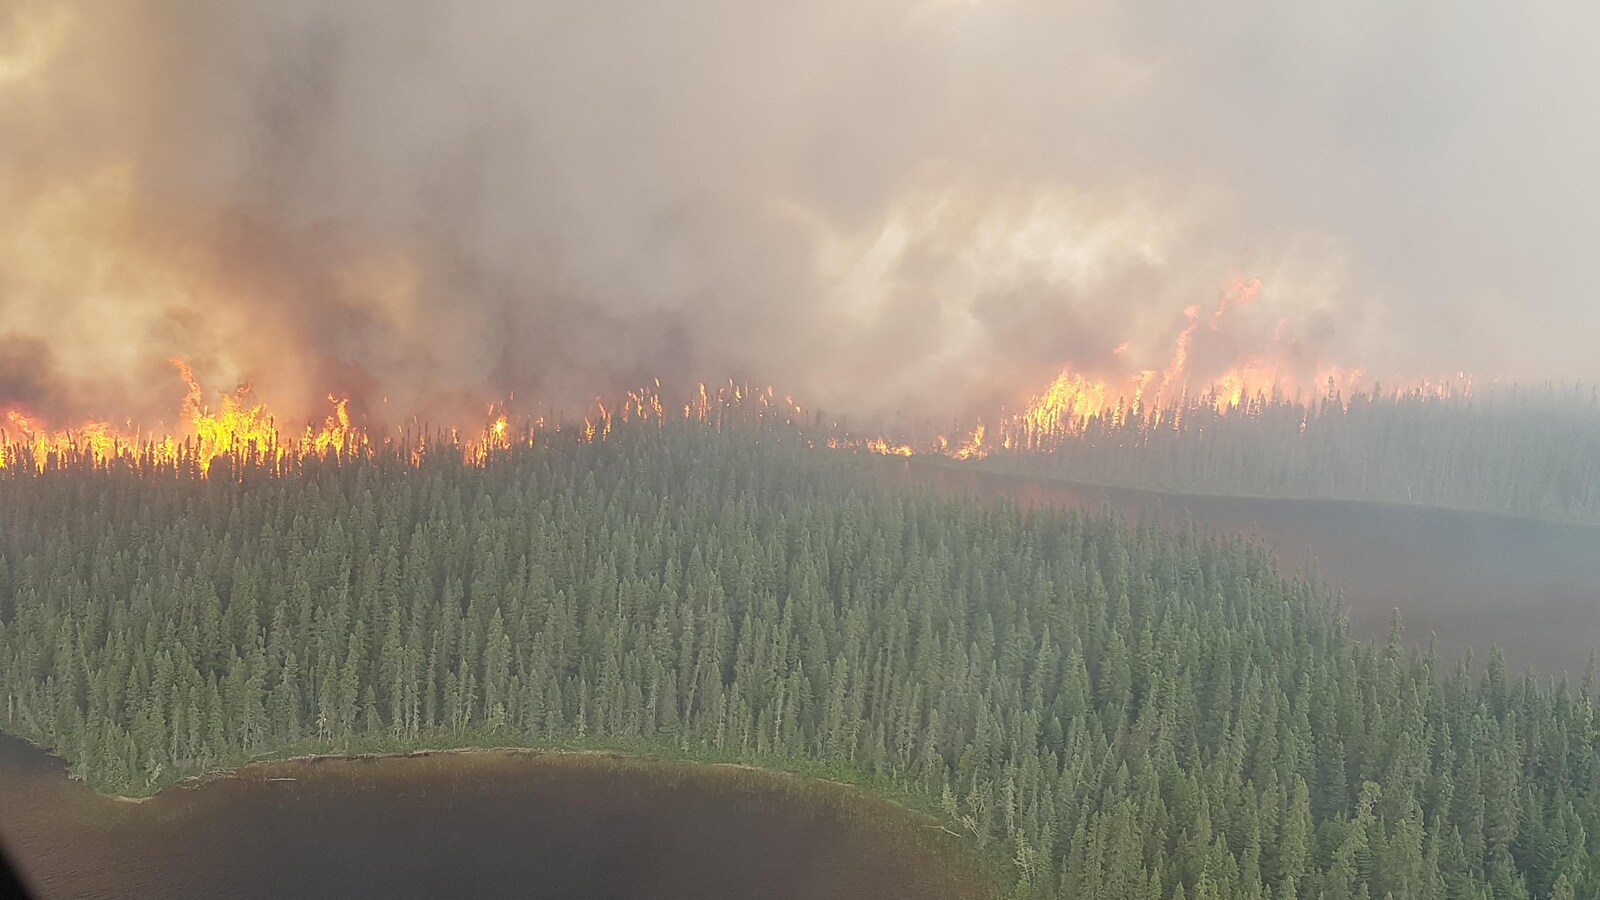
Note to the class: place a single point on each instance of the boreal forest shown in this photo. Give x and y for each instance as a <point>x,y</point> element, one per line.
<point>1101,709</point>
<point>1524,450</point>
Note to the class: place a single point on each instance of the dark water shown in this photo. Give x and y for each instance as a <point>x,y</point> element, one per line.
<point>1475,580</point>
<point>474,825</point>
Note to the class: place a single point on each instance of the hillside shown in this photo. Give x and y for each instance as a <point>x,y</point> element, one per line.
<point>1115,712</point>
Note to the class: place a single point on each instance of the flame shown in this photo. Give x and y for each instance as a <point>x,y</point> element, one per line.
<point>1239,385</point>
<point>973,448</point>
<point>78,238</point>
<point>242,428</point>
<point>96,440</point>
<point>1063,408</point>
<point>1075,404</point>
<point>239,427</point>
<point>335,436</point>
<point>883,447</point>
<point>1077,401</point>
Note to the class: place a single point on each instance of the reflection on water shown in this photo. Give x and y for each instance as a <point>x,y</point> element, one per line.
<point>1474,579</point>
<point>479,824</point>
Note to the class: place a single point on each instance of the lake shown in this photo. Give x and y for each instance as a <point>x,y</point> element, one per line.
<point>481,824</point>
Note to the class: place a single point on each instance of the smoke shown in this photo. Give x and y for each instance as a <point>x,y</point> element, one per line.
<point>926,205</point>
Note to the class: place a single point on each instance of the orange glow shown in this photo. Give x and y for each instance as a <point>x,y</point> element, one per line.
<point>86,237</point>
<point>883,447</point>
<point>1075,404</point>
<point>241,428</point>
<point>973,448</point>
<point>1069,402</point>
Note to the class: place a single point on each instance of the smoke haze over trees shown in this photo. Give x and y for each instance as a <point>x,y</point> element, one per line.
<point>1531,452</point>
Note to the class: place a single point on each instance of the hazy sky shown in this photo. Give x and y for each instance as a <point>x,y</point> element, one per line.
<point>932,203</point>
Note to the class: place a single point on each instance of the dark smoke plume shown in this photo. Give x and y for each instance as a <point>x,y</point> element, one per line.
<point>928,205</point>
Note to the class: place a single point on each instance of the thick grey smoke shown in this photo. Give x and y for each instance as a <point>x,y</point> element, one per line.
<point>931,203</point>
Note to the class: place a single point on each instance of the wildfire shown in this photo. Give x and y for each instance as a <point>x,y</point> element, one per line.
<point>335,436</point>
<point>82,237</point>
<point>883,447</point>
<point>1063,408</point>
<point>238,426</point>
<point>1076,400</point>
<point>973,447</point>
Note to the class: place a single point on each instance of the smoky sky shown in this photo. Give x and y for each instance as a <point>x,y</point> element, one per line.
<point>928,205</point>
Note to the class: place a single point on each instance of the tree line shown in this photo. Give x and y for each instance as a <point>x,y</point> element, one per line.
<point>1115,711</point>
<point>1532,451</point>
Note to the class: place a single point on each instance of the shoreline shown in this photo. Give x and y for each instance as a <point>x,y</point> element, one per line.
<point>868,813</point>
<point>229,772</point>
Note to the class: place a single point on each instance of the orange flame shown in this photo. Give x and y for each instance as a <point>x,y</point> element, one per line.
<point>242,428</point>
<point>883,447</point>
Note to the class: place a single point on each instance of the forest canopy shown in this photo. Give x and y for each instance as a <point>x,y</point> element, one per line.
<point>1107,710</point>
<point>1530,451</point>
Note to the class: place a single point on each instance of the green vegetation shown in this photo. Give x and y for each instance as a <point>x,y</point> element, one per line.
<point>1115,712</point>
<point>1527,451</point>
